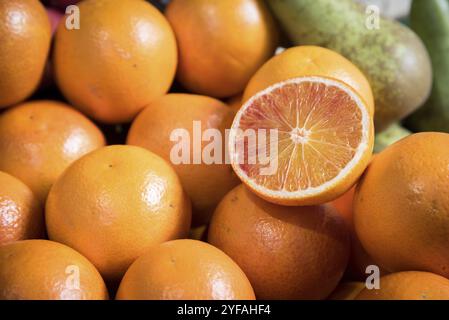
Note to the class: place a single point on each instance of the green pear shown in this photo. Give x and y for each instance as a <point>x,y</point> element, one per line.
<point>430,20</point>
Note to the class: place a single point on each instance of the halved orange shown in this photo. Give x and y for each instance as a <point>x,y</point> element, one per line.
<point>313,139</point>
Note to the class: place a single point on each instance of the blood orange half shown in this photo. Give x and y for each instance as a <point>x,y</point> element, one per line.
<point>304,141</point>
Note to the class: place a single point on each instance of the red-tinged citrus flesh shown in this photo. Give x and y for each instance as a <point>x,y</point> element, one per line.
<point>324,132</point>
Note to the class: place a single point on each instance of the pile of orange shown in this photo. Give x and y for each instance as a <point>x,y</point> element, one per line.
<point>264,160</point>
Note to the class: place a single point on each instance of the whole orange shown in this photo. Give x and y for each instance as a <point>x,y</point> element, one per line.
<point>121,58</point>
<point>401,206</point>
<point>25,41</point>
<point>21,214</point>
<point>221,43</point>
<point>286,252</point>
<point>114,203</point>
<point>156,129</point>
<point>40,139</point>
<point>310,61</point>
<point>409,285</point>
<point>185,270</point>
<point>47,270</point>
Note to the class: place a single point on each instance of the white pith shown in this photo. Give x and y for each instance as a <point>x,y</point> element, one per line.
<point>301,137</point>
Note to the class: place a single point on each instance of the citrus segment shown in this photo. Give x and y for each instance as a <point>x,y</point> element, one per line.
<point>401,206</point>
<point>317,139</point>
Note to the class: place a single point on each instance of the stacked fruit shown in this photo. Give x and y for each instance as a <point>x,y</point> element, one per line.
<point>301,209</point>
